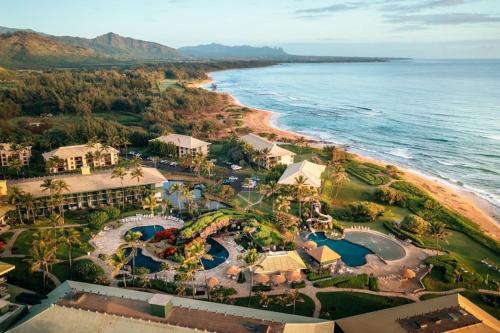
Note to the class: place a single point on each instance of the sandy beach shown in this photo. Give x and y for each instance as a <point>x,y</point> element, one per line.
<point>465,203</point>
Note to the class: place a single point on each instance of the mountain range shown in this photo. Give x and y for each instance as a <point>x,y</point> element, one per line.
<point>26,48</point>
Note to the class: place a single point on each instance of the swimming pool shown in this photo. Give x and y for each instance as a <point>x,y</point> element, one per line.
<point>173,198</point>
<point>218,253</point>
<point>356,245</point>
<point>147,231</point>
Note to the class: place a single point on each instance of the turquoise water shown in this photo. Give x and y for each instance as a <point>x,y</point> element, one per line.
<point>173,198</point>
<point>144,261</point>
<point>386,248</point>
<point>352,254</point>
<point>441,118</point>
<point>147,231</point>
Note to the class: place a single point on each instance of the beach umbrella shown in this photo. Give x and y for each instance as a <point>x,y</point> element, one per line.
<point>212,281</point>
<point>310,244</point>
<point>278,279</point>
<point>409,274</point>
<point>261,278</point>
<point>293,276</point>
<point>233,270</point>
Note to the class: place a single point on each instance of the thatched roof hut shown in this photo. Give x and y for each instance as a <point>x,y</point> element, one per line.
<point>212,281</point>
<point>409,274</point>
<point>293,276</point>
<point>278,279</point>
<point>310,245</point>
<point>261,278</point>
<point>233,270</point>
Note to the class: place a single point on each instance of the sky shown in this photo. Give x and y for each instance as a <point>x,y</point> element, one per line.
<point>398,28</point>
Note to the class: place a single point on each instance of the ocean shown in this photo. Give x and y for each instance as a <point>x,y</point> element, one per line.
<point>440,118</point>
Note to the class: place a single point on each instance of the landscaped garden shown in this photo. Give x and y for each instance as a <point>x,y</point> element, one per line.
<point>304,305</point>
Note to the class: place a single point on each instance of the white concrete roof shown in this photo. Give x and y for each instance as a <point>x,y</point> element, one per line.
<point>311,171</point>
<point>180,140</point>
<point>88,183</point>
<point>260,143</point>
<point>77,150</point>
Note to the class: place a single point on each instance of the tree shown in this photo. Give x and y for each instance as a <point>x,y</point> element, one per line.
<point>55,221</point>
<point>301,142</point>
<point>195,253</point>
<point>151,203</point>
<point>69,238</point>
<point>60,185</point>
<point>120,172</point>
<point>300,188</point>
<point>28,201</point>
<point>132,238</point>
<point>260,157</point>
<point>208,167</point>
<point>294,296</point>
<point>340,178</point>
<point>247,183</point>
<point>251,258</point>
<point>118,260</point>
<point>16,198</point>
<point>48,185</point>
<point>16,164</point>
<point>270,190</point>
<point>415,224</point>
<point>42,254</point>
<point>283,203</point>
<point>179,188</point>
<point>438,231</point>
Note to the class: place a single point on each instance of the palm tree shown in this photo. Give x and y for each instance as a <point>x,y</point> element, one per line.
<point>120,172</point>
<point>208,167</point>
<point>53,162</point>
<point>270,191</point>
<point>151,203</point>
<point>118,260</point>
<point>196,252</point>
<point>283,203</point>
<point>132,238</point>
<point>187,195</point>
<point>60,185</point>
<point>340,178</point>
<point>16,198</point>
<point>260,157</point>
<point>301,142</point>
<point>16,164</point>
<point>247,182</point>
<point>42,254</point>
<point>48,185</point>
<point>177,187</point>
<point>28,201</point>
<point>438,231</point>
<point>198,162</point>
<point>70,237</point>
<point>300,191</point>
<point>55,221</point>
<point>294,296</point>
<point>251,258</point>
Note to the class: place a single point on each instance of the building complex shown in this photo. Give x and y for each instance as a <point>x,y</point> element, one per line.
<point>274,153</point>
<point>186,145</point>
<point>69,158</point>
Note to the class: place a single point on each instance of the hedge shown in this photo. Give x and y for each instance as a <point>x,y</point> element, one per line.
<point>355,282</point>
<point>261,288</point>
<point>402,234</point>
<point>314,276</point>
<point>368,173</point>
<point>298,284</point>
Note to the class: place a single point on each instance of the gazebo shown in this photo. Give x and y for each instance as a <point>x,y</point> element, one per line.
<point>324,256</point>
<point>280,262</point>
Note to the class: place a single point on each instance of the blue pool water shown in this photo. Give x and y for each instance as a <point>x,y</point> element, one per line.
<point>175,201</point>
<point>144,261</point>
<point>352,254</point>
<point>218,252</point>
<point>147,231</point>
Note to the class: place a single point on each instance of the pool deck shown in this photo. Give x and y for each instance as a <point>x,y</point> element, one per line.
<point>108,241</point>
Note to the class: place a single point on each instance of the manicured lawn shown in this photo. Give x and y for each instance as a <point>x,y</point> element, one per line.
<point>22,245</point>
<point>475,298</point>
<point>62,271</point>
<point>304,308</point>
<point>23,277</point>
<point>344,304</point>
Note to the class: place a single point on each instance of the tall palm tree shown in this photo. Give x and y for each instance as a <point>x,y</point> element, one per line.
<point>260,157</point>
<point>42,255</point>
<point>300,188</point>
<point>48,185</point>
<point>59,186</point>
<point>251,258</point>
<point>54,162</point>
<point>438,231</point>
<point>301,142</point>
<point>198,162</point>
<point>118,260</point>
<point>187,195</point>
<point>196,252</point>
<point>132,238</point>
<point>151,203</point>
<point>28,201</point>
<point>294,296</point>
<point>208,167</point>
<point>283,203</point>
<point>177,187</point>
<point>16,164</point>
<point>69,238</point>
<point>120,172</point>
<point>340,178</point>
<point>55,221</point>
<point>270,190</point>
<point>16,198</point>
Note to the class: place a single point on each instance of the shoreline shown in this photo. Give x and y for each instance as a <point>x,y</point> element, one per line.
<point>461,201</point>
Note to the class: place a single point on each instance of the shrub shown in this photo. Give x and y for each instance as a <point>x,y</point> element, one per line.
<point>261,288</point>
<point>365,211</point>
<point>241,277</point>
<point>390,196</point>
<point>98,219</point>
<point>454,271</point>
<point>415,224</point>
<point>169,234</point>
<point>367,172</point>
<point>402,234</point>
<point>373,283</point>
<point>87,271</point>
<point>314,276</point>
<point>113,213</point>
<point>298,284</point>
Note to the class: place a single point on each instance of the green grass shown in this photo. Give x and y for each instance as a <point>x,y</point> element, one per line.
<point>23,277</point>
<point>344,304</point>
<point>4,237</point>
<point>305,308</point>
<point>122,117</point>
<point>474,297</point>
<point>22,245</point>
<point>168,83</point>
<point>62,271</point>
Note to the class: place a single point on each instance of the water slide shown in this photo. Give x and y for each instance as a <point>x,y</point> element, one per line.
<point>322,218</point>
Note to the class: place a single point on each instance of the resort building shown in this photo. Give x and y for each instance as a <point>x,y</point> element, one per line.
<point>452,313</point>
<point>323,256</point>
<point>5,209</point>
<point>275,154</point>
<point>76,157</point>
<point>185,144</point>
<point>310,171</point>
<point>280,262</point>
<point>94,189</point>
<point>9,312</point>
<point>8,152</point>
<point>81,307</point>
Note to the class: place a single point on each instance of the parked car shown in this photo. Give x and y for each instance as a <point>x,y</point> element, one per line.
<point>255,178</point>
<point>250,184</point>
<point>233,178</point>
<point>235,167</point>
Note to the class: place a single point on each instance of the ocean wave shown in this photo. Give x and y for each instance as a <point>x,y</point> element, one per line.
<point>446,162</point>
<point>401,152</point>
<point>495,137</point>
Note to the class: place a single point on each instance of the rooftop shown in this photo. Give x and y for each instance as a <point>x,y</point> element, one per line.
<point>323,254</point>
<point>7,147</point>
<point>182,141</point>
<point>89,183</point>
<point>310,171</point>
<point>285,261</point>
<point>77,150</point>
<point>260,143</point>
<point>443,314</point>
<point>5,208</point>
<point>107,309</point>
<point>5,268</point>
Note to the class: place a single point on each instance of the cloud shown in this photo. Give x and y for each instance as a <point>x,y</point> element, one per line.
<point>329,9</point>
<point>422,5</point>
<point>443,19</point>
